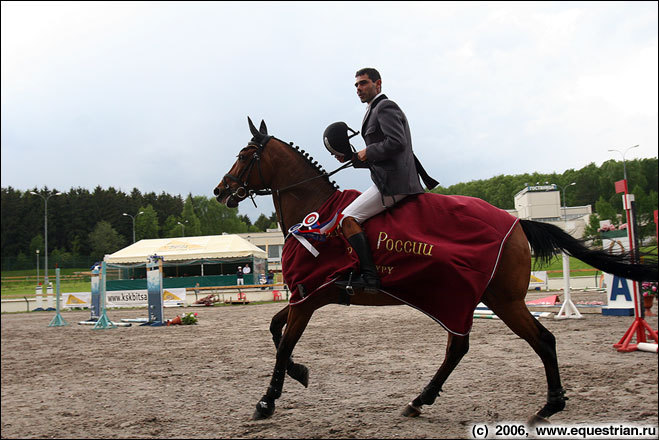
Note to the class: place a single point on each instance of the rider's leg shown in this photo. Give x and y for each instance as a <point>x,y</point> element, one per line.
<point>368,204</point>
<point>357,239</point>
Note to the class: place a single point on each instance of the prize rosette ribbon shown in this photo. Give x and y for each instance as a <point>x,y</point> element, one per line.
<point>312,229</point>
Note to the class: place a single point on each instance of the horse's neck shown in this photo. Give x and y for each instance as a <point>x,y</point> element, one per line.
<point>294,206</point>
<point>293,195</point>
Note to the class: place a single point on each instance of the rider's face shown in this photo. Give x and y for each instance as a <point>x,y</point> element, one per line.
<point>367,89</point>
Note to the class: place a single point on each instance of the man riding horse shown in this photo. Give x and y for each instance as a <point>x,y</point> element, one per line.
<point>394,169</point>
<point>491,248</point>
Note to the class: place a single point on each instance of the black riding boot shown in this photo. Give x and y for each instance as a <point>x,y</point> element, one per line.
<point>368,278</point>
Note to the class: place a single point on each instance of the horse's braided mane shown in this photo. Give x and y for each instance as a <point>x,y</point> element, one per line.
<point>313,163</point>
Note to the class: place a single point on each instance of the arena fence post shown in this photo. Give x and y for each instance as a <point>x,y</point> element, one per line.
<point>38,292</point>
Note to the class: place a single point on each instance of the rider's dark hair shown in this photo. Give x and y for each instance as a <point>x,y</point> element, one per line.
<point>373,74</point>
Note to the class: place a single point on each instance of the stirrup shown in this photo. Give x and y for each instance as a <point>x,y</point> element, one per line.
<point>359,282</point>
<point>347,285</point>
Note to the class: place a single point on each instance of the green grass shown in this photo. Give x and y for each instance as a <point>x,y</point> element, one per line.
<point>26,288</point>
<point>19,289</point>
<point>577,266</point>
<point>51,272</point>
<point>555,268</point>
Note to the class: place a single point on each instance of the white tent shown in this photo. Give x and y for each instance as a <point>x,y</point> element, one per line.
<point>207,247</point>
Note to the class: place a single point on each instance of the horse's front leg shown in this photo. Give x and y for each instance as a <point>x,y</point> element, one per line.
<point>298,372</point>
<point>298,318</point>
<point>456,348</point>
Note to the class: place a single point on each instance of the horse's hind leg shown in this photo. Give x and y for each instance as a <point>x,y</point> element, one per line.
<point>298,372</point>
<point>505,297</point>
<point>456,348</point>
<point>519,319</point>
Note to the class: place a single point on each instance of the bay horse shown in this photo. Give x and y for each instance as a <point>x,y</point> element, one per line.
<point>298,185</point>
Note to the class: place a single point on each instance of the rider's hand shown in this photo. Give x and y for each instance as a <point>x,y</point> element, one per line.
<point>361,155</point>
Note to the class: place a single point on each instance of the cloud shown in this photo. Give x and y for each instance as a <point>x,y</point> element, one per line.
<point>156,95</point>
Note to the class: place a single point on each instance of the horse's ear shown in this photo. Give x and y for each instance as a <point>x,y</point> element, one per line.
<point>263,129</point>
<point>252,128</point>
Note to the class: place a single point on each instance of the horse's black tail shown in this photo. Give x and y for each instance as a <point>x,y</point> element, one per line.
<point>545,239</point>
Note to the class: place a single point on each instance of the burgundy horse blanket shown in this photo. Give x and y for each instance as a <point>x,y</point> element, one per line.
<point>433,252</point>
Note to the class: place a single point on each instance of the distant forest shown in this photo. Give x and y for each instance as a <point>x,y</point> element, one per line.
<point>84,225</point>
<point>593,186</point>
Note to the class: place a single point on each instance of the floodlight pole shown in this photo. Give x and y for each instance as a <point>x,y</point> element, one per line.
<point>563,190</point>
<point>624,166</point>
<point>45,227</point>
<point>133,217</point>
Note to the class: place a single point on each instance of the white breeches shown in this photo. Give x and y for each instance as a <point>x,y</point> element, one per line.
<point>368,204</point>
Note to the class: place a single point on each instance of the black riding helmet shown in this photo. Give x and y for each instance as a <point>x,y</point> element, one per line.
<point>336,139</point>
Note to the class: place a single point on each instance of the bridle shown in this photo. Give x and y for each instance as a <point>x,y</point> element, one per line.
<point>243,191</point>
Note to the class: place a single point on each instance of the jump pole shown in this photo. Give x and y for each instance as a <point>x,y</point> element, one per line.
<point>57,321</point>
<point>483,312</point>
<point>568,309</point>
<point>639,326</point>
<point>646,346</point>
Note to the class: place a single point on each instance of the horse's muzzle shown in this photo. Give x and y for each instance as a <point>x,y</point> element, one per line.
<point>228,196</point>
<point>222,194</point>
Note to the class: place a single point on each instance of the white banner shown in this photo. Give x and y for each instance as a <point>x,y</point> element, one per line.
<point>124,298</point>
<point>539,280</point>
<point>76,299</point>
<point>619,292</point>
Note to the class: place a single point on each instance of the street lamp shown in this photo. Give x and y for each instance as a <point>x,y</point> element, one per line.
<point>37,266</point>
<point>183,226</point>
<point>45,227</point>
<point>133,217</point>
<point>563,188</point>
<point>624,167</point>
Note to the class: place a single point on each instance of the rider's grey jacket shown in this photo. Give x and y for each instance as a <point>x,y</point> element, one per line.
<point>389,155</point>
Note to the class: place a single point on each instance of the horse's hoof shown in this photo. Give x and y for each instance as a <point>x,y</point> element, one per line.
<point>263,410</point>
<point>411,411</point>
<point>537,420</point>
<point>300,373</point>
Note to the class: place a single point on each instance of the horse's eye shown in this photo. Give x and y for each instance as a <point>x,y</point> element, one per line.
<point>241,157</point>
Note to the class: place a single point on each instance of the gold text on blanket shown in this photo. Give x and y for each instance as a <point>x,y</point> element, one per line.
<point>403,246</point>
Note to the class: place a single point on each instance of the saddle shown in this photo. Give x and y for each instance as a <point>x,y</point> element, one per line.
<point>433,252</point>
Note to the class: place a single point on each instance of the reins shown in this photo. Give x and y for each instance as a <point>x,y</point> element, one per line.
<point>324,174</point>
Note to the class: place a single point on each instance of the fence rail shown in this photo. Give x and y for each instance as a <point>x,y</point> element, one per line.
<point>574,270</point>
<point>235,287</point>
<point>26,278</point>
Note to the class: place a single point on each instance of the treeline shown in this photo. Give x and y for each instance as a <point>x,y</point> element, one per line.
<point>593,186</point>
<point>83,226</point>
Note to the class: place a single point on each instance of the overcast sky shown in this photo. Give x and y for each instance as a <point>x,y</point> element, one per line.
<point>156,95</point>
